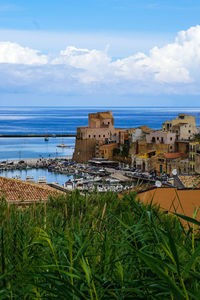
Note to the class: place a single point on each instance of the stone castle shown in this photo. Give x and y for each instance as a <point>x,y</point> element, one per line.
<point>99,138</point>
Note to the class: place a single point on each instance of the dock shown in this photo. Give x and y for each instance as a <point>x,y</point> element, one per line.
<point>35,135</point>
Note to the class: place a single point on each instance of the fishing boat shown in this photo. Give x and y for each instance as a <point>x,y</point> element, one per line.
<point>42,180</point>
<point>30,178</point>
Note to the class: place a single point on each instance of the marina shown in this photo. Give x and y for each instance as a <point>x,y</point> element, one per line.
<point>64,172</point>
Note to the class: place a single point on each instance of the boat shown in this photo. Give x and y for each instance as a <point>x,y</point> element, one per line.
<point>46,138</point>
<point>42,180</point>
<point>30,178</point>
<point>62,146</point>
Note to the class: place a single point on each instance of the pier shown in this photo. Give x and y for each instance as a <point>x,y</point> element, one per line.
<point>35,135</point>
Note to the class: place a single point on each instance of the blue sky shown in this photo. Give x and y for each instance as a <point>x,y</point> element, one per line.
<point>100,52</point>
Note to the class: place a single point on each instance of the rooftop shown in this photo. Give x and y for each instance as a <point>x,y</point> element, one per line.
<point>174,155</point>
<point>190,181</point>
<point>17,190</point>
<point>173,200</point>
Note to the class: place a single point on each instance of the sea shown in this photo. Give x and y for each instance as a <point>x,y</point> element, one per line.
<point>65,120</point>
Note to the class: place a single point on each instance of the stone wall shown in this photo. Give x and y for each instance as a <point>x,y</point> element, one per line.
<point>84,150</point>
<point>143,147</point>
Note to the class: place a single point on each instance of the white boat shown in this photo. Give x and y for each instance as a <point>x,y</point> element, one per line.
<point>42,180</point>
<point>30,178</point>
<point>62,146</point>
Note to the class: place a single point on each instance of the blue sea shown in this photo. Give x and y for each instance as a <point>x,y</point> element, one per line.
<point>63,120</point>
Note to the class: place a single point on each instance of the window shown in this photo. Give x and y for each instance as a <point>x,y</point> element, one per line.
<point>89,135</point>
<point>99,135</point>
<point>94,135</point>
<point>157,138</point>
<point>104,135</point>
<point>189,131</point>
<point>170,138</point>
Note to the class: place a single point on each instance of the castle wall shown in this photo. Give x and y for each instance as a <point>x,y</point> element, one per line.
<point>84,150</point>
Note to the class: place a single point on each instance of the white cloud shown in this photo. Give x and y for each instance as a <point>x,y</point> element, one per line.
<point>95,63</point>
<point>15,54</point>
<point>173,68</point>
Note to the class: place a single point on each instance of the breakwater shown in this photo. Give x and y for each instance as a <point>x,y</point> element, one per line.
<point>35,135</point>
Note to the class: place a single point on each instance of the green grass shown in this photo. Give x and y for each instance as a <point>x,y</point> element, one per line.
<point>97,247</point>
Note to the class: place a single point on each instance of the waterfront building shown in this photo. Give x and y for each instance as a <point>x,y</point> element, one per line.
<point>95,139</point>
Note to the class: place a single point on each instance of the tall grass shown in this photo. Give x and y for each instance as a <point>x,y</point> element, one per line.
<point>97,247</point>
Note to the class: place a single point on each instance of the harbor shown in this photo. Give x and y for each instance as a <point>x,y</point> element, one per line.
<point>98,174</point>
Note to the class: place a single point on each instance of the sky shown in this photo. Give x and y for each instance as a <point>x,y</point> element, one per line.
<point>100,52</point>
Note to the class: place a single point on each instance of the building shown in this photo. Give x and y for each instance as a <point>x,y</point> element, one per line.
<point>184,126</point>
<point>161,137</point>
<point>143,161</point>
<point>106,150</point>
<point>166,162</point>
<point>139,133</point>
<point>90,140</point>
<point>182,118</point>
<point>194,157</point>
<point>100,127</point>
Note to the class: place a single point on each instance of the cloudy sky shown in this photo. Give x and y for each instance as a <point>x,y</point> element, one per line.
<point>100,52</point>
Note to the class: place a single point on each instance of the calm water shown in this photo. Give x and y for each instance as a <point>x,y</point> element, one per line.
<point>21,148</point>
<point>36,173</point>
<point>52,120</point>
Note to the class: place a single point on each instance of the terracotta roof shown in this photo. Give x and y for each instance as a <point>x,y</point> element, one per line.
<point>190,181</point>
<point>173,200</point>
<point>174,155</point>
<point>18,190</point>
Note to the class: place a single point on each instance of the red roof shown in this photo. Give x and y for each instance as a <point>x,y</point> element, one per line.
<point>17,190</point>
<point>174,200</point>
<point>175,155</point>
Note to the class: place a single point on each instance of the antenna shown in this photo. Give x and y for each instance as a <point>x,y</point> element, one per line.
<point>174,172</point>
<point>158,183</point>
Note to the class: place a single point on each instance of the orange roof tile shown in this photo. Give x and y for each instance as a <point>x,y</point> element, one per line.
<point>190,181</point>
<point>174,155</point>
<point>18,190</point>
<point>173,200</point>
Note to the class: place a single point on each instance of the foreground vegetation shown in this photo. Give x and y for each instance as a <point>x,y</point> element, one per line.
<point>97,247</point>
